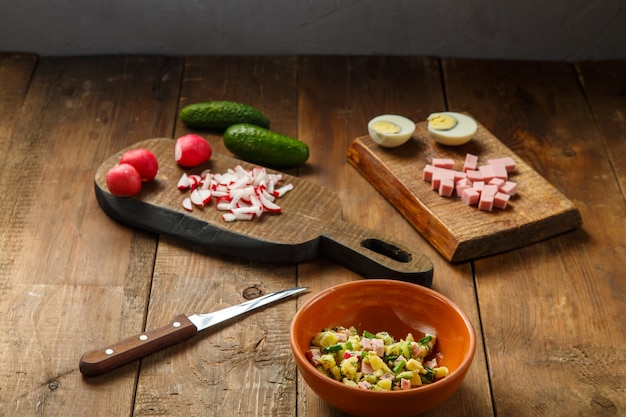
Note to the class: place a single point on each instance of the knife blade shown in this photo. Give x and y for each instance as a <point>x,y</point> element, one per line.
<point>182,327</point>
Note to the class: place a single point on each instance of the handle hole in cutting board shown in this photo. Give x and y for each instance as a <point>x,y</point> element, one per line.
<point>387,250</point>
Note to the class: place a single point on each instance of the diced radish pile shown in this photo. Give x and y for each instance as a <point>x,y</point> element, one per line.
<point>486,186</point>
<point>242,194</point>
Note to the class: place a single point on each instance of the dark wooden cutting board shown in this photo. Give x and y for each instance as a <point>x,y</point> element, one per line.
<point>310,223</point>
<point>460,232</point>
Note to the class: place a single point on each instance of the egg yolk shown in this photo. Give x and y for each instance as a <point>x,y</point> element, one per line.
<point>386,127</point>
<point>440,121</point>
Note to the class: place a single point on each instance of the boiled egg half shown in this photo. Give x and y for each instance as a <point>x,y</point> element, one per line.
<point>390,130</point>
<point>451,128</point>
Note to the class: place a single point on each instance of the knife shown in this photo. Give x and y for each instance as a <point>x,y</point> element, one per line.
<point>182,327</point>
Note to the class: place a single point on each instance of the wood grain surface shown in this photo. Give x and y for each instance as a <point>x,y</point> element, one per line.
<point>548,316</point>
<point>538,211</point>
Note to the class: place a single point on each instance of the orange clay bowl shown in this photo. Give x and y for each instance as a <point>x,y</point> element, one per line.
<point>396,307</point>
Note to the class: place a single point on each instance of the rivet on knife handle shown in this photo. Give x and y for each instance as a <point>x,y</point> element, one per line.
<point>97,362</point>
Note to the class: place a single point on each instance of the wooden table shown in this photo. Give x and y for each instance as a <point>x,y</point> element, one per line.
<point>549,317</point>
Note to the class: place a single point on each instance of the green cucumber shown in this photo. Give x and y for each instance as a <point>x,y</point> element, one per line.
<point>219,115</point>
<point>262,146</point>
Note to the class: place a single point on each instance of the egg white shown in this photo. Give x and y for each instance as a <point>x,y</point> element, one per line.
<point>392,140</point>
<point>463,132</point>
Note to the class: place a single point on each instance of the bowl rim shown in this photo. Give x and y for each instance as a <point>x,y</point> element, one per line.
<point>459,372</point>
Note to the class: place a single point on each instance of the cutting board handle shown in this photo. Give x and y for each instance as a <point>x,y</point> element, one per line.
<point>375,255</point>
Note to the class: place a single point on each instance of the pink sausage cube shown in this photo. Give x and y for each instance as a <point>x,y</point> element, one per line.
<point>487,171</point>
<point>474,175</point>
<point>486,201</point>
<point>499,171</point>
<point>497,181</point>
<point>471,162</point>
<point>507,162</point>
<point>490,189</point>
<point>446,187</point>
<point>478,185</point>
<point>458,175</point>
<point>509,188</point>
<point>427,174</point>
<point>440,174</point>
<point>470,196</point>
<point>443,163</point>
<point>462,185</point>
<point>500,200</point>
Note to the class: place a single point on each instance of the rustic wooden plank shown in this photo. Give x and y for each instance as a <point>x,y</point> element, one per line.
<point>550,311</point>
<point>245,367</point>
<point>605,86</point>
<point>74,279</point>
<point>338,96</point>
<point>538,211</point>
<point>15,73</point>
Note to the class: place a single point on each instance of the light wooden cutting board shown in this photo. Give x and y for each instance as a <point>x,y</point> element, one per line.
<point>460,232</point>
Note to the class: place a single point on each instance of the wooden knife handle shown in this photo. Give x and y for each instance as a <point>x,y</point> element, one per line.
<point>98,362</point>
<point>375,255</point>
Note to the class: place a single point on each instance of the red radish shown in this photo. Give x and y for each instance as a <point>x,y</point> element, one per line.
<point>123,180</point>
<point>191,150</point>
<point>144,162</point>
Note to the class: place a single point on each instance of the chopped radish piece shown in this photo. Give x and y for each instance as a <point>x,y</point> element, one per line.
<point>187,204</point>
<point>183,182</point>
<point>243,194</point>
<point>282,190</point>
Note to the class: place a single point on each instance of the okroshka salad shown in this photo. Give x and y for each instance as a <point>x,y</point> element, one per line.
<point>375,361</point>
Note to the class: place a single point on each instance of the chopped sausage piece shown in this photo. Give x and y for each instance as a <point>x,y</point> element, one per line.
<point>443,163</point>
<point>486,201</point>
<point>471,163</point>
<point>478,185</point>
<point>470,196</point>
<point>509,188</point>
<point>486,186</point>
<point>461,185</point>
<point>507,162</point>
<point>497,181</point>
<point>427,174</point>
<point>474,175</point>
<point>446,187</point>
<point>500,200</point>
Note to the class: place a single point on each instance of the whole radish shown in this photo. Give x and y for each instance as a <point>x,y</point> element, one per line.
<point>191,150</point>
<point>144,162</point>
<point>123,180</point>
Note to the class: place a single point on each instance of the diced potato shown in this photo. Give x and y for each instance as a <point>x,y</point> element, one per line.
<point>377,363</point>
<point>441,372</point>
<point>350,366</point>
<point>385,384</point>
<point>326,339</point>
<point>327,361</point>
<point>350,382</point>
<point>414,365</point>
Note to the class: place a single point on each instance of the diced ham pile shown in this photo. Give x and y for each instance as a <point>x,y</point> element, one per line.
<point>242,194</point>
<point>486,186</point>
